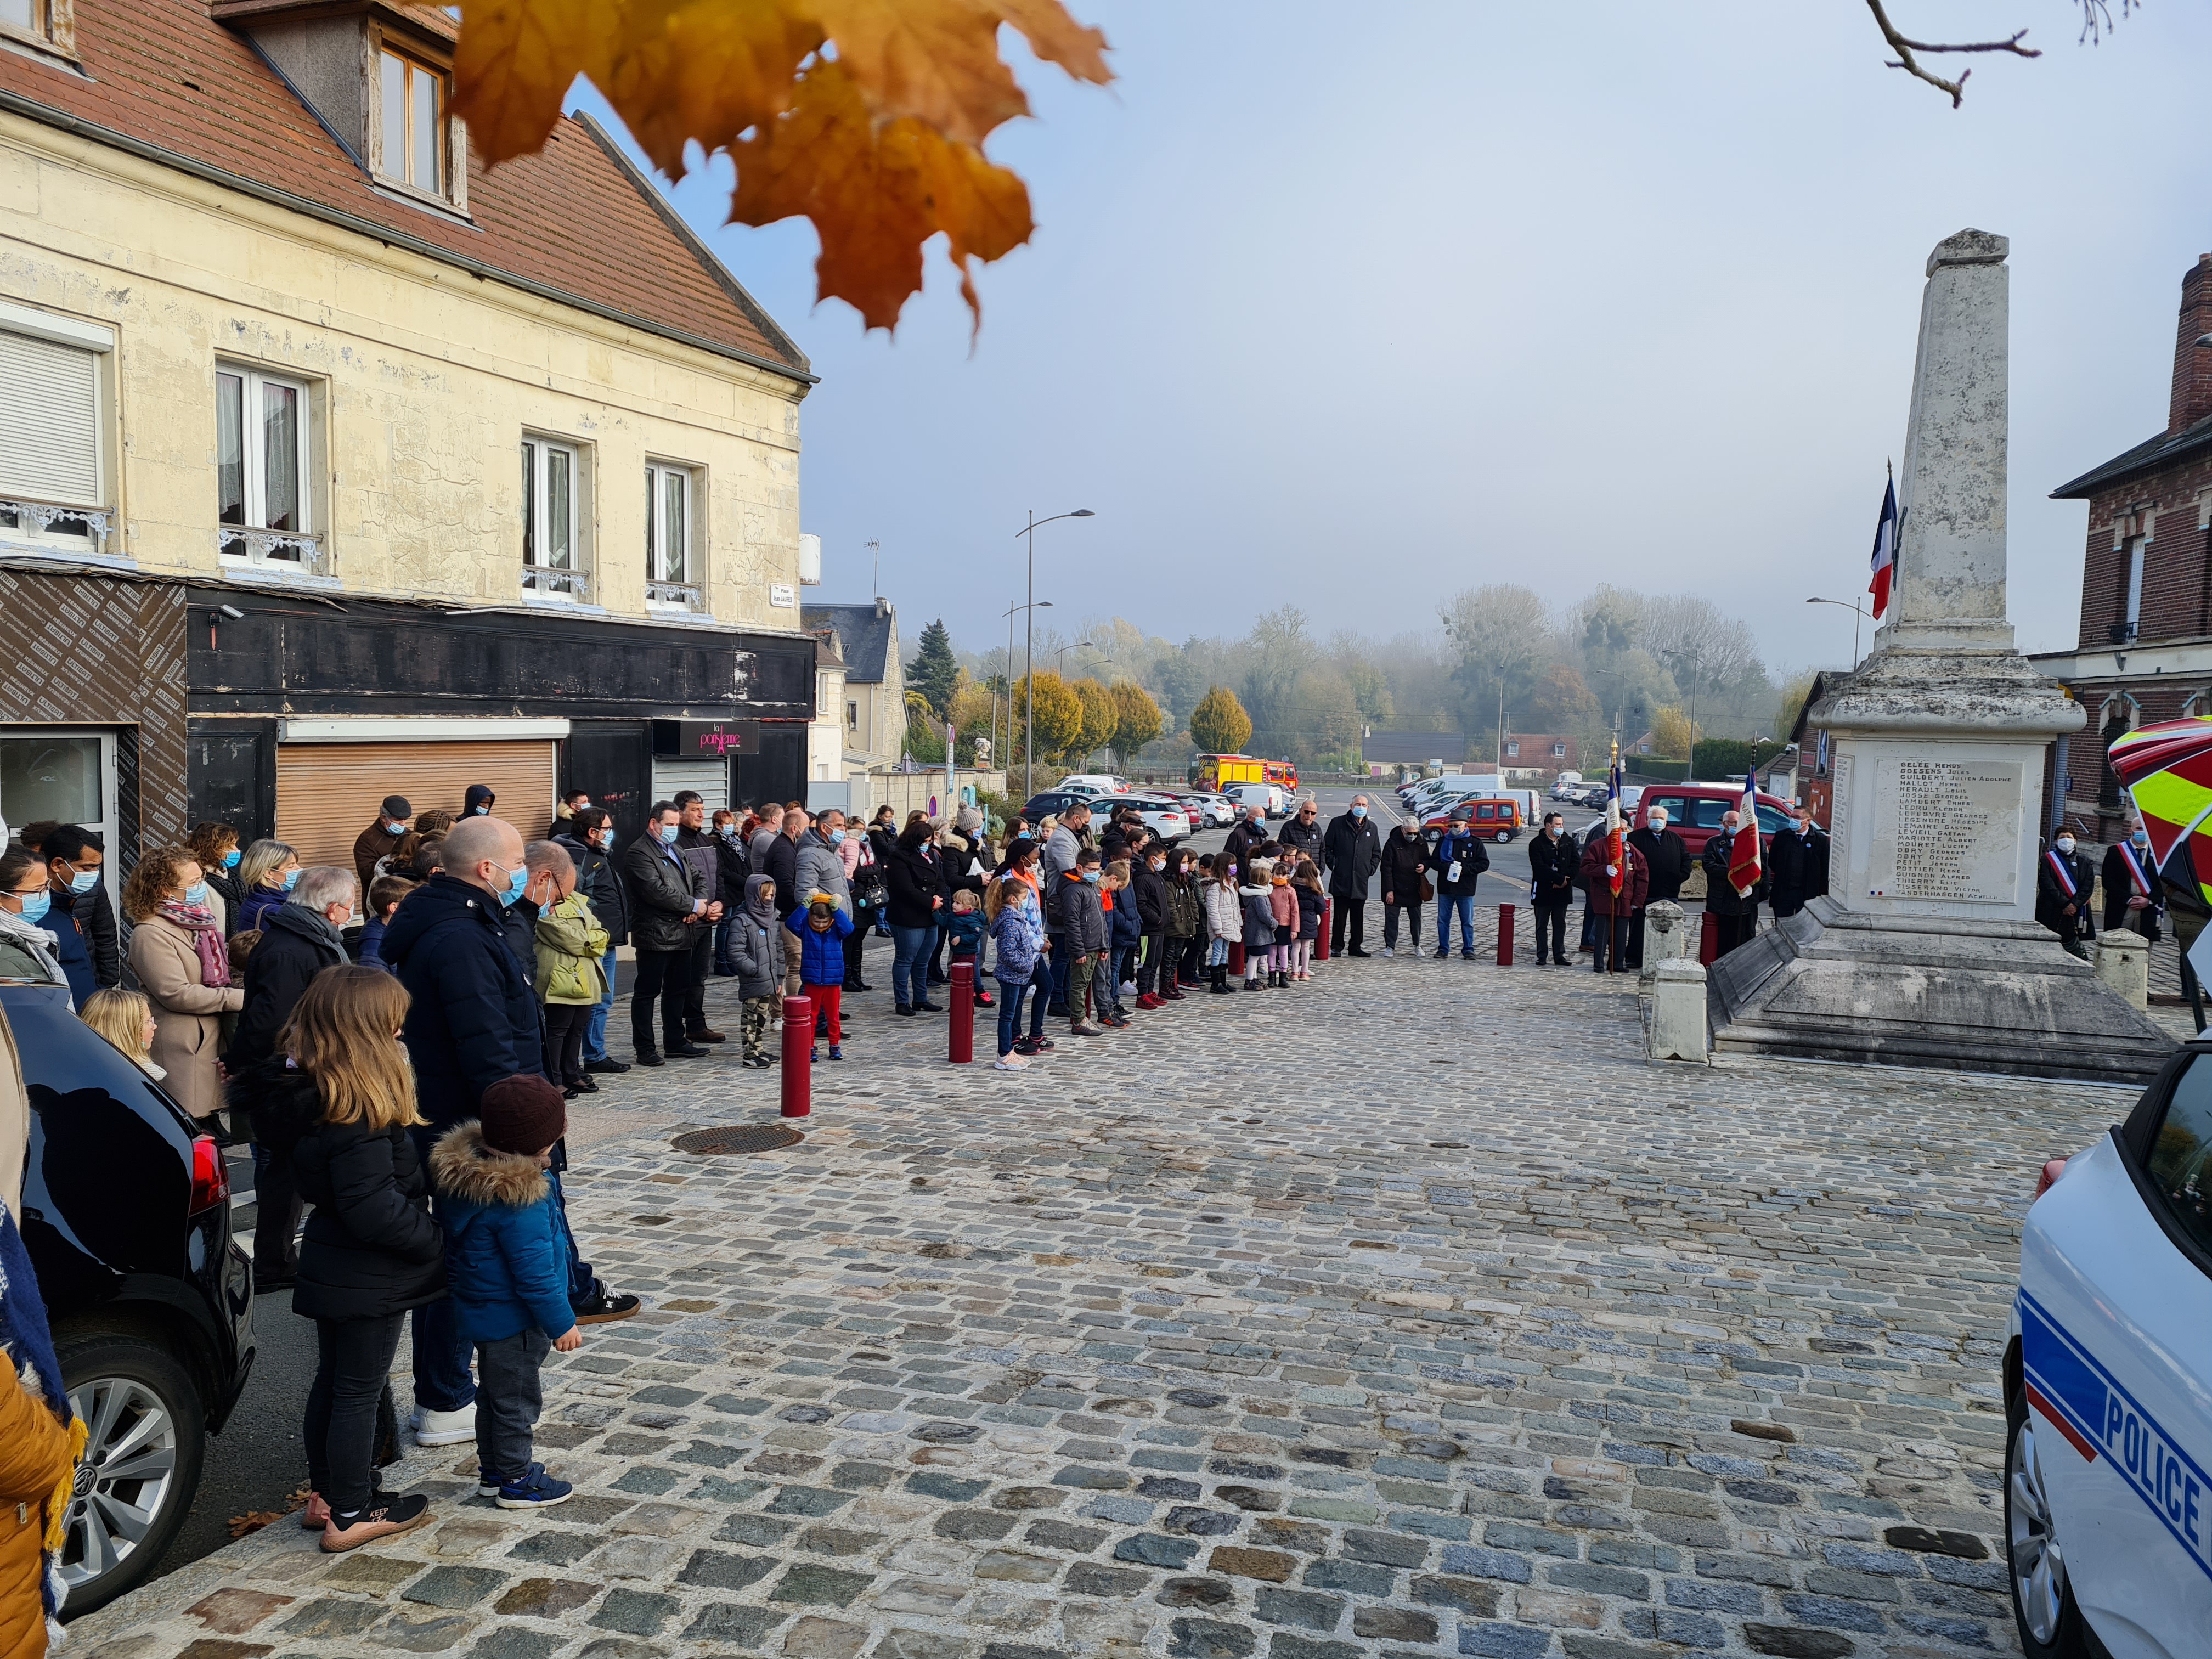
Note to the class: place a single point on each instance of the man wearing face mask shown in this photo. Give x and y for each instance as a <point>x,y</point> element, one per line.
<point>564,812</point>
<point>1353,850</point>
<point>703,853</point>
<point>1736,912</point>
<point>1555,861</point>
<point>472,1021</point>
<point>589,843</point>
<point>80,916</point>
<point>2063,882</point>
<point>668,904</point>
<point>1667,864</point>
<point>1302,834</point>
<point>378,840</point>
<point>1797,864</point>
<point>1245,835</point>
<point>476,801</point>
<point>2133,897</point>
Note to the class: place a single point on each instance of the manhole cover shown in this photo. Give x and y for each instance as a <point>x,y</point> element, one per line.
<point>739,1137</point>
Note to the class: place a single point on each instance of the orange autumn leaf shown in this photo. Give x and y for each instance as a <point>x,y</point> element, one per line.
<point>866,117</point>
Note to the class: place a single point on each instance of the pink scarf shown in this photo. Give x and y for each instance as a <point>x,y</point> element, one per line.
<point>207,939</point>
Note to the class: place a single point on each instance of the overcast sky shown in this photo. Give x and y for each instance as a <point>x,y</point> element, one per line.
<point>1357,307</point>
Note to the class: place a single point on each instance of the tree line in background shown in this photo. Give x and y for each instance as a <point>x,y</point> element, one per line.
<point>1614,662</point>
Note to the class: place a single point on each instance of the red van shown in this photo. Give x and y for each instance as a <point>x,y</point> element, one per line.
<point>1695,810</point>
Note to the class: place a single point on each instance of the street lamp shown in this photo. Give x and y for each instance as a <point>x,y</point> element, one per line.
<point>1009,676</point>
<point>1060,655</point>
<point>1856,611</point>
<point>1029,649</point>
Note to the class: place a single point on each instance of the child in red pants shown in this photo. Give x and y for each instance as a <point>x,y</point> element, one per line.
<point>821,926</point>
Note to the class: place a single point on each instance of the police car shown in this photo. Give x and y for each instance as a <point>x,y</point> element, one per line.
<point>2108,1388</point>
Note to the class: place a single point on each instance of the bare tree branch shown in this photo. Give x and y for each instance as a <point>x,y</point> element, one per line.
<point>1906,61</point>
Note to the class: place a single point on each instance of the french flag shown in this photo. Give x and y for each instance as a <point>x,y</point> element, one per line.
<point>1885,549</point>
<point>1744,865</point>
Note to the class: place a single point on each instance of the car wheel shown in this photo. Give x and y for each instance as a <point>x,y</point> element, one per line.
<point>141,1467</point>
<point>1503,836</point>
<point>2043,1602</point>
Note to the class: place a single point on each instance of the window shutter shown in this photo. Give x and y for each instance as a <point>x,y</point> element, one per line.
<point>48,421</point>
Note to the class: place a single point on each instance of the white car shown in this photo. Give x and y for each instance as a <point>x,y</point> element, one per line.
<point>1214,811</point>
<point>2108,1388</point>
<point>1094,783</point>
<point>1168,820</point>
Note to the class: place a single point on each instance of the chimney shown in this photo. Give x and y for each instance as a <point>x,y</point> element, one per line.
<point>2192,363</point>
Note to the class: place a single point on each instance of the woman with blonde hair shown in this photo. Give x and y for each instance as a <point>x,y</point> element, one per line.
<point>126,1020</point>
<point>265,876</point>
<point>179,955</point>
<point>339,1084</point>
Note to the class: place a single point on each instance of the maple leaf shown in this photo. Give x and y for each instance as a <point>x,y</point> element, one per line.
<point>866,117</point>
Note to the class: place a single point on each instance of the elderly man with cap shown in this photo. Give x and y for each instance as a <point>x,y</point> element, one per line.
<point>378,840</point>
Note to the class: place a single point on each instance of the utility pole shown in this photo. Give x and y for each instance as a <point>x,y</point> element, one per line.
<point>875,568</point>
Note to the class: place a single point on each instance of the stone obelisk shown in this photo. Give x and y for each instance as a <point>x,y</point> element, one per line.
<point>1925,950</point>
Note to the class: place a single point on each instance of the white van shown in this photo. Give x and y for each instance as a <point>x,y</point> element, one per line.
<point>1268,797</point>
<point>1095,783</point>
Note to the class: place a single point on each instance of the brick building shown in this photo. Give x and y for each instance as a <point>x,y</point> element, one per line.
<point>2145,648</point>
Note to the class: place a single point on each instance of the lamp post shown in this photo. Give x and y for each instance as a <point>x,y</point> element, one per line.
<point>1856,611</point>
<point>999,753</point>
<point>1029,651</point>
<point>1060,655</point>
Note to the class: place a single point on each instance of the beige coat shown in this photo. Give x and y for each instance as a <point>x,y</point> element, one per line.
<point>187,1015</point>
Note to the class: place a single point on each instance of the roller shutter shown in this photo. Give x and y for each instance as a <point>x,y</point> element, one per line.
<point>48,421</point>
<point>328,793</point>
<point>711,778</point>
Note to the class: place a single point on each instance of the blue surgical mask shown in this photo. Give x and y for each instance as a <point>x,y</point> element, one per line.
<point>84,881</point>
<point>836,837</point>
<point>1090,875</point>
<point>291,880</point>
<point>197,893</point>
<point>667,834</point>
<point>482,811</point>
<point>35,905</point>
<point>2140,838</point>
<point>516,881</point>
<point>391,829</point>
<point>1359,812</point>
<point>230,859</point>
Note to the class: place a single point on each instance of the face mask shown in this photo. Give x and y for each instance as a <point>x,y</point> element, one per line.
<point>516,882</point>
<point>84,881</point>
<point>482,811</point>
<point>35,905</point>
<point>607,839</point>
<point>667,834</point>
<point>291,880</point>
<point>197,893</point>
<point>2140,838</point>
<point>1090,875</point>
<point>230,859</point>
<point>581,806</point>
<point>2066,843</point>
<point>836,837</point>
<point>1159,864</point>
<point>1359,812</point>
<point>1553,831</point>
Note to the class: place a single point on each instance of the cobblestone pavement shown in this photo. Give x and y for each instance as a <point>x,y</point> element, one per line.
<point>1402,1313</point>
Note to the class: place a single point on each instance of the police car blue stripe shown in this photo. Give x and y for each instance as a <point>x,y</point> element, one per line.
<point>2157,1470</point>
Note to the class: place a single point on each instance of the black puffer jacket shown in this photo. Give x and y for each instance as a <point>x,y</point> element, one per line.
<point>296,944</point>
<point>1404,855</point>
<point>279,1100</point>
<point>916,876</point>
<point>473,1019</point>
<point>370,1249</point>
<point>1149,889</point>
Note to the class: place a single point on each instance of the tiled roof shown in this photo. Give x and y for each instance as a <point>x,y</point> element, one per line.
<point>863,635</point>
<point>2151,453</point>
<point>575,222</point>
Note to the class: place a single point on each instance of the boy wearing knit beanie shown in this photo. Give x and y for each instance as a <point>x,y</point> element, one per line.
<point>507,1266</point>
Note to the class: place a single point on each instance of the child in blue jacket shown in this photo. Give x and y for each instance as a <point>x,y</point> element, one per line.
<point>822,927</point>
<point>506,1268</point>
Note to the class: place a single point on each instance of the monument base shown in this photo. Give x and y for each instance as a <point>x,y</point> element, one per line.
<point>1936,991</point>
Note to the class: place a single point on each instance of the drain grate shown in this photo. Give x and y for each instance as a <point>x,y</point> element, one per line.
<point>739,1137</point>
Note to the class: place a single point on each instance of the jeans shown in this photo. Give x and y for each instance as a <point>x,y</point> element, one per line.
<point>1551,923</point>
<point>724,930</point>
<point>665,974</point>
<point>275,1217</point>
<point>352,1358</point>
<point>910,964</point>
<point>1010,1013</point>
<point>1390,914</point>
<point>1462,906</point>
<point>595,1033</point>
<point>508,1400</point>
<point>442,1353</point>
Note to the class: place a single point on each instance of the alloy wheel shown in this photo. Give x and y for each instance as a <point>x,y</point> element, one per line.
<point>2039,1565</point>
<point>129,1467</point>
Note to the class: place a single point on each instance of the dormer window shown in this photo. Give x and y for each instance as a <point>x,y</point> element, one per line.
<point>41,23</point>
<point>413,105</point>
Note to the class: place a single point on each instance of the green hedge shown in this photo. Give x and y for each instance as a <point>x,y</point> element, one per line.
<point>1643,768</point>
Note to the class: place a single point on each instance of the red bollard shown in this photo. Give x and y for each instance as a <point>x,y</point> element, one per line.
<point>1504,936</point>
<point>1236,958</point>
<point>798,1056</point>
<point>1321,939</point>
<point>960,1031</point>
<point>1709,939</point>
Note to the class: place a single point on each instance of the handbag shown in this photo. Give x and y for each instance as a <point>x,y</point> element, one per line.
<point>1428,889</point>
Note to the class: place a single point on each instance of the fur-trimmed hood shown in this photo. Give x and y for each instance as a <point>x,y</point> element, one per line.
<point>462,1167</point>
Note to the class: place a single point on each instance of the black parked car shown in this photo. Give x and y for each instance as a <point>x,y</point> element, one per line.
<point>127,1217</point>
<point>1050,804</point>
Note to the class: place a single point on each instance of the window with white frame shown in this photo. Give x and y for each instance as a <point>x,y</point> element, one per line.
<point>261,469</point>
<point>54,470</point>
<point>671,557</point>
<point>852,717</point>
<point>1513,748</point>
<point>1559,752</point>
<point>411,146</point>
<point>552,562</point>
<point>2135,548</point>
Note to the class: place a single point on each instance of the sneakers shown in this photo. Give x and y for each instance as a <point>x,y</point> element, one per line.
<point>1079,1029</point>
<point>1149,1000</point>
<point>1010,1063</point>
<point>602,1309</point>
<point>434,1428</point>
<point>1389,951</point>
<point>316,1515</point>
<point>836,1052</point>
<point>533,1489</point>
<point>384,1517</point>
<point>1036,1045</point>
<point>1128,988</point>
<point>758,1062</point>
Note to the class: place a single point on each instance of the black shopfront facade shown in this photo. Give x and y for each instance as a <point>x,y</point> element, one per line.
<point>303,709</point>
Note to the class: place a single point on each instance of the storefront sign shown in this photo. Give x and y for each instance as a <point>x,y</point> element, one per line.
<point>705,739</point>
